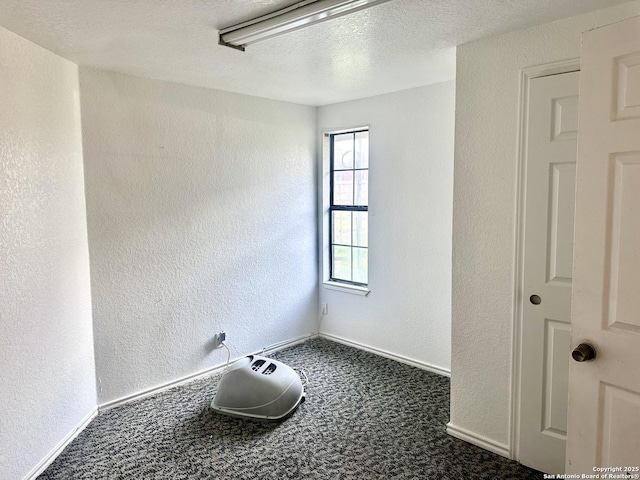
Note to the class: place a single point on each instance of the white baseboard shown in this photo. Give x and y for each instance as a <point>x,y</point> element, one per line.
<point>478,440</point>
<point>57,450</point>
<point>282,345</point>
<point>267,351</point>
<point>195,376</point>
<point>384,353</point>
<point>159,388</point>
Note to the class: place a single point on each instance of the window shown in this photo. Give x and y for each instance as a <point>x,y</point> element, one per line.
<point>349,207</point>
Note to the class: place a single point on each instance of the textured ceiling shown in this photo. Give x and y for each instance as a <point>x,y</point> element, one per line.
<point>393,46</point>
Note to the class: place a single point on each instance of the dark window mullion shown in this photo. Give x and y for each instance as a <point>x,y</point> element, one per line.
<point>353,197</point>
<point>351,256</point>
<point>331,170</point>
<point>351,240</point>
<point>331,191</point>
<point>353,175</point>
<point>353,194</point>
<point>350,208</point>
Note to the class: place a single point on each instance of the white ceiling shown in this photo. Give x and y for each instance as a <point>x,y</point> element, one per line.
<point>393,46</point>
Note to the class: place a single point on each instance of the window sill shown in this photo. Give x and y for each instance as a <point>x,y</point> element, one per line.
<point>341,287</point>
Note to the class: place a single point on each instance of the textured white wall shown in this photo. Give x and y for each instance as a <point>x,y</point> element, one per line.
<point>408,311</point>
<point>47,378</point>
<point>487,99</point>
<point>201,213</point>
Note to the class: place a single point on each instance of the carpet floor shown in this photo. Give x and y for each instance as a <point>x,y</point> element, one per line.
<point>365,417</point>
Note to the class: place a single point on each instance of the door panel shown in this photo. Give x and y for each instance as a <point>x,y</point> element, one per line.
<point>548,260</point>
<point>556,378</point>
<point>561,213</point>
<point>620,426</point>
<point>604,394</point>
<point>624,277</point>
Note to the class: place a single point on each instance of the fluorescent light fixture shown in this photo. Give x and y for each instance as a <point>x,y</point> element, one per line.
<point>294,17</point>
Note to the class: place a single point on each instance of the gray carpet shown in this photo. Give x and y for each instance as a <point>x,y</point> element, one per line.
<point>365,417</point>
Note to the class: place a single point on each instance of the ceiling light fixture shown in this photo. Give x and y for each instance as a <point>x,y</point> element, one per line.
<point>294,17</point>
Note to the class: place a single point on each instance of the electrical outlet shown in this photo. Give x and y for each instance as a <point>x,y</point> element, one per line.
<point>218,338</point>
<point>325,308</point>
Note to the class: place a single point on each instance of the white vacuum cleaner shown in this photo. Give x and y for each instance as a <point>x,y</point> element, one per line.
<point>258,388</point>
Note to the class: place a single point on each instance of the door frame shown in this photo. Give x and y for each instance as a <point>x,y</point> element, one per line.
<point>526,75</point>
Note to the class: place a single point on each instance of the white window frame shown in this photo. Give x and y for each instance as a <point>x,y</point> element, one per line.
<point>325,217</point>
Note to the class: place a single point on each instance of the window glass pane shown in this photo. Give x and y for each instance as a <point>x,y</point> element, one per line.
<point>349,193</point>
<point>362,187</point>
<point>360,229</point>
<point>360,265</point>
<point>343,188</point>
<point>341,263</point>
<point>341,226</point>
<point>362,150</point>
<point>343,151</point>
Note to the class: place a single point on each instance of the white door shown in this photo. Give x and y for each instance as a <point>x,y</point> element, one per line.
<point>604,394</point>
<point>552,135</point>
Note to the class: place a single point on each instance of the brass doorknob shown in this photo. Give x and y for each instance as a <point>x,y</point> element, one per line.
<point>583,353</point>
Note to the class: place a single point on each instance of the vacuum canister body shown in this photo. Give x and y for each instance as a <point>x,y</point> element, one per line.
<point>258,388</point>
